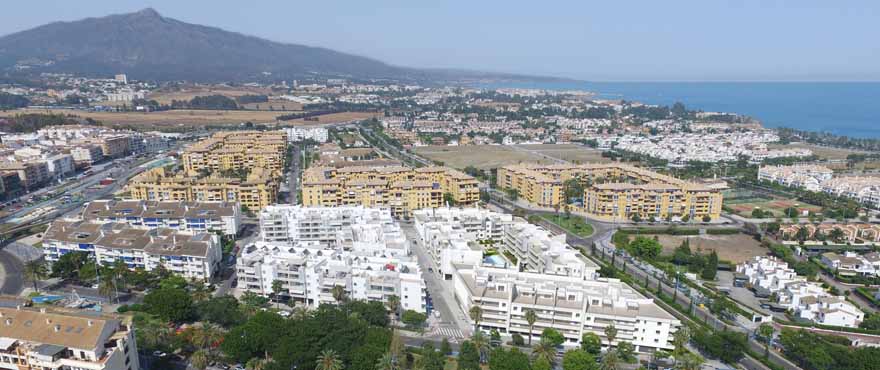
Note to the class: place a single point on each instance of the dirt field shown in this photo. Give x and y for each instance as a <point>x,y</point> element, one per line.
<point>821,151</point>
<point>331,118</point>
<point>187,93</point>
<point>494,156</point>
<point>184,118</point>
<point>568,152</point>
<point>734,248</point>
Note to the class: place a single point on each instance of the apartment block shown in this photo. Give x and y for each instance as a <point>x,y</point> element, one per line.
<point>258,190</point>
<point>85,155</point>
<point>809,177</point>
<point>57,339</point>
<point>296,134</point>
<point>191,255</point>
<point>223,217</point>
<point>400,189</point>
<point>534,270</point>
<point>614,192</point>
<point>237,150</point>
<point>32,174</point>
<point>312,250</point>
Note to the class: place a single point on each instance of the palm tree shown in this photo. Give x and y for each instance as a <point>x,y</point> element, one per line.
<point>106,288</point>
<point>339,294</point>
<point>199,292</point>
<point>531,317</point>
<point>610,361</point>
<point>544,350</point>
<point>386,362</point>
<point>36,270</point>
<point>393,304</point>
<point>690,361</point>
<point>300,313</point>
<point>680,340</point>
<point>277,287</point>
<point>480,341</point>
<point>256,363</point>
<point>611,334</point>
<point>329,360</point>
<point>199,359</point>
<point>476,313</point>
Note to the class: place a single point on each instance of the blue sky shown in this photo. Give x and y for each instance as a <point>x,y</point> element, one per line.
<point>648,40</point>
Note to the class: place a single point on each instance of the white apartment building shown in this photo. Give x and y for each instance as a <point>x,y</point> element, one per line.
<point>458,235</point>
<point>806,300</point>
<point>223,217</point>
<point>768,275</point>
<point>43,339</point>
<point>295,134</point>
<point>571,305</point>
<point>191,255</point>
<point>864,189</point>
<point>312,250</point>
<point>547,276</point>
<point>851,263</point>
<point>805,176</point>
<point>87,154</point>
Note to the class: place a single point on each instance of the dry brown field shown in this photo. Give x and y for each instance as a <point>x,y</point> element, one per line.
<point>734,248</point>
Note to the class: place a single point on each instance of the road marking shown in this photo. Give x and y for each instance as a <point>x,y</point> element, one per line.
<point>450,333</point>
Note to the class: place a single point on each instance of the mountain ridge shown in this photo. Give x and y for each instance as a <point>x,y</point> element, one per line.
<point>146,45</point>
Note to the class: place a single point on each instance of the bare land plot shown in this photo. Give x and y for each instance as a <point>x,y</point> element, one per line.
<point>734,248</point>
<point>331,118</point>
<point>480,156</point>
<point>568,152</point>
<point>494,156</point>
<point>187,93</point>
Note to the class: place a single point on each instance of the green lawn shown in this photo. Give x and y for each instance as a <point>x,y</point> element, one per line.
<point>573,224</point>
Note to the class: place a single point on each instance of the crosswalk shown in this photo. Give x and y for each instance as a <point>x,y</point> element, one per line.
<point>450,333</point>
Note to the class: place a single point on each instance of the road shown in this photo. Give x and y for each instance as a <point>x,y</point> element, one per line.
<point>453,320</point>
<point>294,175</point>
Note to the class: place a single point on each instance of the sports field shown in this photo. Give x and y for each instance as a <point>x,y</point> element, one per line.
<point>743,202</point>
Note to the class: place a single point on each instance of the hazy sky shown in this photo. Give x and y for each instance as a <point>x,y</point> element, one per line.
<point>592,40</point>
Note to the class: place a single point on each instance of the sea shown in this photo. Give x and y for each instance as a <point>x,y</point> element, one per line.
<point>841,108</point>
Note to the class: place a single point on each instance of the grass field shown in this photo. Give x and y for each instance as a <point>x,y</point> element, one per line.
<point>575,224</point>
<point>743,202</point>
<point>494,156</point>
<point>734,248</point>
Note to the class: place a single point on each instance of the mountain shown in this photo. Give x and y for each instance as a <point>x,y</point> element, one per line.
<point>147,46</point>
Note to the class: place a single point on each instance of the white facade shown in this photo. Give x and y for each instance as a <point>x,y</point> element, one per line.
<point>549,277</point>
<point>191,255</point>
<point>809,177</point>
<point>222,217</point>
<point>312,250</point>
<point>295,134</point>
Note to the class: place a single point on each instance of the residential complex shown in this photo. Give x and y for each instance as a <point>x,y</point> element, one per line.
<point>863,189</point>
<point>299,133</point>
<point>806,300</point>
<point>259,189</point>
<point>400,189</point>
<point>191,255</point>
<point>312,250</point>
<point>853,264</point>
<point>681,148</point>
<point>534,270</point>
<point>237,150</point>
<point>223,217</point>
<point>614,191</point>
<point>807,176</point>
<point>56,339</point>
<point>855,233</point>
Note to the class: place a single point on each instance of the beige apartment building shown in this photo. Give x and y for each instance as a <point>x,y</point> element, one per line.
<point>258,190</point>
<point>402,189</point>
<point>237,150</point>
<point>614,191</point>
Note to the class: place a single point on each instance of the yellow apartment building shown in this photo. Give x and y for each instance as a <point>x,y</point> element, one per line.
<point>614,192</point>
<point>402,189</point>
<point>237,150</point>
<point>257,191</point>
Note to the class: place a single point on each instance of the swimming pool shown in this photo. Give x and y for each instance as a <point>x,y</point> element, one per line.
<point>495,260</point>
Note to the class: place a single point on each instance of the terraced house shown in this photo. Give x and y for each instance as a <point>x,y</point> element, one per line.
<point>259,189</point>
<point>51,338</point>
<point>614,192</point>
<point>237,150</point>
<point>400,189</point>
